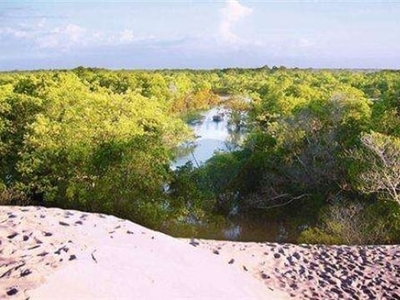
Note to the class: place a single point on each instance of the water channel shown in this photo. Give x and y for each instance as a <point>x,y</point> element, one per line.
<point>211,136</point>
<point>215,136</point>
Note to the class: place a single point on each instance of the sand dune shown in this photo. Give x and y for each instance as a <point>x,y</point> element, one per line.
<point>316,271</point>
<point>59,254</point>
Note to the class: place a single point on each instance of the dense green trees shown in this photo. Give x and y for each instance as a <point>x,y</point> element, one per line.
<point>67,145</point>
<point>379,161</point>
<point>321,145</point>
<point>300,160</point>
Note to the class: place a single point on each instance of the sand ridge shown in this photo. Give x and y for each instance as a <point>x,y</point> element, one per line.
<point>63,254</point>
<point>316,271</point>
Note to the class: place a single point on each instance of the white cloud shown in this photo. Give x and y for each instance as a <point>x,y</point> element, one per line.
<point>74,33</point>
<point>23,31</point>
<point>39,34</point>
<point>16,33</point>
<point>305,43</point>
<point>41,23</point>
<point>63,38</point>
<point>231,14</point>
<point>73,36</point>
<point>126,36</point>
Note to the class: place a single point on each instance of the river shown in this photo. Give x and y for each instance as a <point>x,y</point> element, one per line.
<point>215,136</point>
<point>211,136</point>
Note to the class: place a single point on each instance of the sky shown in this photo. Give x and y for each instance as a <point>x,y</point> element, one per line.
<point>199,34</point>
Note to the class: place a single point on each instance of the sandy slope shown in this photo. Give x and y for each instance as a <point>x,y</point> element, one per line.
<point>316,271</point>
<point>58,254</point>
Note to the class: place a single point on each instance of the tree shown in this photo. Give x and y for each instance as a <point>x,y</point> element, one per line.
<point>302,140</point>
<point>237,110</point>
<point>93,149</point>
<point>354,223</point>
<point>380,163</point>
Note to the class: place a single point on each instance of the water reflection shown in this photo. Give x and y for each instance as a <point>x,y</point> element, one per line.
<point>233,233</point>
<point>256,227</point>
<point>208,129</point>
<point>211,136</point>
<point>245,227</point>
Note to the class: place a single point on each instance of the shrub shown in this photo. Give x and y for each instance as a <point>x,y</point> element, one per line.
<point>355,223</point>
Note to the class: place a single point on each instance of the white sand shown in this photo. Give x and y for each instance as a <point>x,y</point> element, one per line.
<point>58,254</point>
<point>316,271</point>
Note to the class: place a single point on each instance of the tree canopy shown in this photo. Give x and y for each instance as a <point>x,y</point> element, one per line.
<point>319,143</point>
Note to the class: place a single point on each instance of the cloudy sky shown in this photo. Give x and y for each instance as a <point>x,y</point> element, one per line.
<point>199,34</point>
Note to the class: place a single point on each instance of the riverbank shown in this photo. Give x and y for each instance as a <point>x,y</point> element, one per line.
<point>315,271</point>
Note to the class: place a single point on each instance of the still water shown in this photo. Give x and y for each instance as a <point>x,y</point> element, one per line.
<point>245,227</point>
<point>257,227</point>
<point>211,137</point>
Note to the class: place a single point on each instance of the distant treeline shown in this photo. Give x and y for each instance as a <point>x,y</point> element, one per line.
<point>323,147</point>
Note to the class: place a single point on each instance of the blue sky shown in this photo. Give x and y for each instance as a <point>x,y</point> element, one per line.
<point>199,34</point>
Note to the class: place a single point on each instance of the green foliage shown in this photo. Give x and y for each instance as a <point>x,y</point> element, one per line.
<point>319,236</point>
<point>302,141</point>
<point>376,166</point>
<point>103,140</point>
<point>238,108</point>
<point>71,145</point>
<point>355,223</point>
<point>190,202</point>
